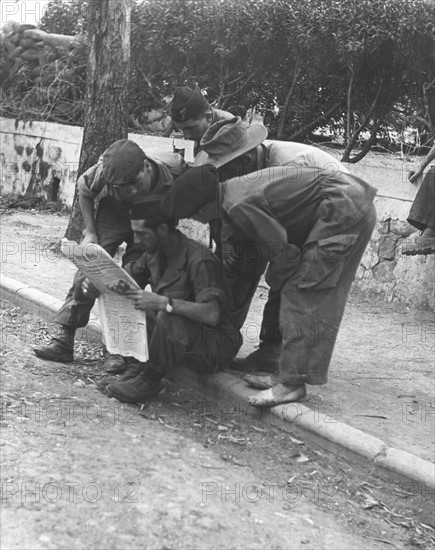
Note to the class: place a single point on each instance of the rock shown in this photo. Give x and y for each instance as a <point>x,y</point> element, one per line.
<point>370,257</point>
<point>35,34</point>
<point>27,43</point>
<point>59,40</point>
<point>26,27</point>
<point>387,247</point>
<point>384,226</point>
<point>16,53</point>
<point>9,46</point>
<point>384,272</point>
<point>31,55</point>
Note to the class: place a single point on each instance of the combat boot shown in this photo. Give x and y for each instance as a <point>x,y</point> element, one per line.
<point>113,363</point>
<point>135,390</point>
<point>60,348</point>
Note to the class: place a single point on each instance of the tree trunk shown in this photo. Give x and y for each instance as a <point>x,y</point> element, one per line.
<point>315,123</point>
<point>429,105</point>
<point>349,104</point>
<point>352,140</point>
<point>367,145</point>
<point>106,89</point>
<point>286,109</point>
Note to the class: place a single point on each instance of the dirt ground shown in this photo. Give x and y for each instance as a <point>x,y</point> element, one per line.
<point>381,378</point>
<point>81,471</point>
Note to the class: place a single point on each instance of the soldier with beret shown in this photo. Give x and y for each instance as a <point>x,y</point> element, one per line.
<point>187,309</point>
<point>312,226</point>
<point>123,176</point>
<point>192,114</point>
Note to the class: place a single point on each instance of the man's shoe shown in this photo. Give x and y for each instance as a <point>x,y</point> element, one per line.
<point>136,390</point>
<point>134,368</point>
<point>56,350</point>
<point>113,363</point>
<point>265,359</point>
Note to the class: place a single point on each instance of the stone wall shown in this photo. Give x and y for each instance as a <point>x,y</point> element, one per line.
<point>43,157</point>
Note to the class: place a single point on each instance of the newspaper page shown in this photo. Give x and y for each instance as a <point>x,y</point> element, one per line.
<point>123,326</point>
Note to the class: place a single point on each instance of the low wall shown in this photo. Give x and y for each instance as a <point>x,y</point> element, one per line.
<point>45,156</point>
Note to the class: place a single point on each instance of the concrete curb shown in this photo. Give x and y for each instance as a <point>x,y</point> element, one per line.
<point>229,395</point>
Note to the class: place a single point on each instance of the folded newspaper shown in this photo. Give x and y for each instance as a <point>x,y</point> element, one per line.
<point>124,327</point>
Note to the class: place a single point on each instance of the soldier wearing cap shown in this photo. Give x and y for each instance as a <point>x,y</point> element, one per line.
<point>187,309</point>
<point>192,114</point>
<point>123,176</point>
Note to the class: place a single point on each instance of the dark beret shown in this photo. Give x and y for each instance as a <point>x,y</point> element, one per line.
<point>191,191</point>
<point>187,103</point>
<point>148,209</point>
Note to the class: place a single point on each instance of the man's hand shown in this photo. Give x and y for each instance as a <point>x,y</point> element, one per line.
<point>148,301</point>
<point>90,238</point>
<point>414,176</point>
<point>89,289</point>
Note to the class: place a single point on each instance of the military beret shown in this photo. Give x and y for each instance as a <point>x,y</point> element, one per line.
<point>190,191</point>
<point>188,102</point>
<point>148,209</point>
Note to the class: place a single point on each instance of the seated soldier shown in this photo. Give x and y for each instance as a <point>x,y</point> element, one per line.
<point>123,176</point>
<point>187,311</point>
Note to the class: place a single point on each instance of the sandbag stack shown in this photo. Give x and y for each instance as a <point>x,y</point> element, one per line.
<point>28,45</point>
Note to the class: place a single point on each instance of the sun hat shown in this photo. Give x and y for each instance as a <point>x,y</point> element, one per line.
<point>226,140</point>
<point>188,102</point>
<point>122,162</point>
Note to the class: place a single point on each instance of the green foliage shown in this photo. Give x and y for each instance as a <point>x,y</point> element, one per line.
<point>356,66</point>
<point>62,17</point>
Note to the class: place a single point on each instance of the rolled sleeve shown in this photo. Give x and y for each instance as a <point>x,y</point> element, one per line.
<point>91,183</point>
<point>207,282</point>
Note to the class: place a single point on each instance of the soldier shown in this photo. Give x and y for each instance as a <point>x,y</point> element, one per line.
<point>123,176</point>
<point>312,227</point>
<point>187,309</point>
<point>192,114</point>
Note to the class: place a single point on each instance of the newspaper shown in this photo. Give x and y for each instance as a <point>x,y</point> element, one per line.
<point>123,326</point>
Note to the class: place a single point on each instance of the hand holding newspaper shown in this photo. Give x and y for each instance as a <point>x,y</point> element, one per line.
<point>124,327</point>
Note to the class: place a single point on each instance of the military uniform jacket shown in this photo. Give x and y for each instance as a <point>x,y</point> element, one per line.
<point>300,217</point>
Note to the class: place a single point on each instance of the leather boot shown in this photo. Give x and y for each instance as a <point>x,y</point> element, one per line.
<point>60,348</point>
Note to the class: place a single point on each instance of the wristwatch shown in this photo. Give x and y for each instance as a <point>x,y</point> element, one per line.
<point>169,306</point>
